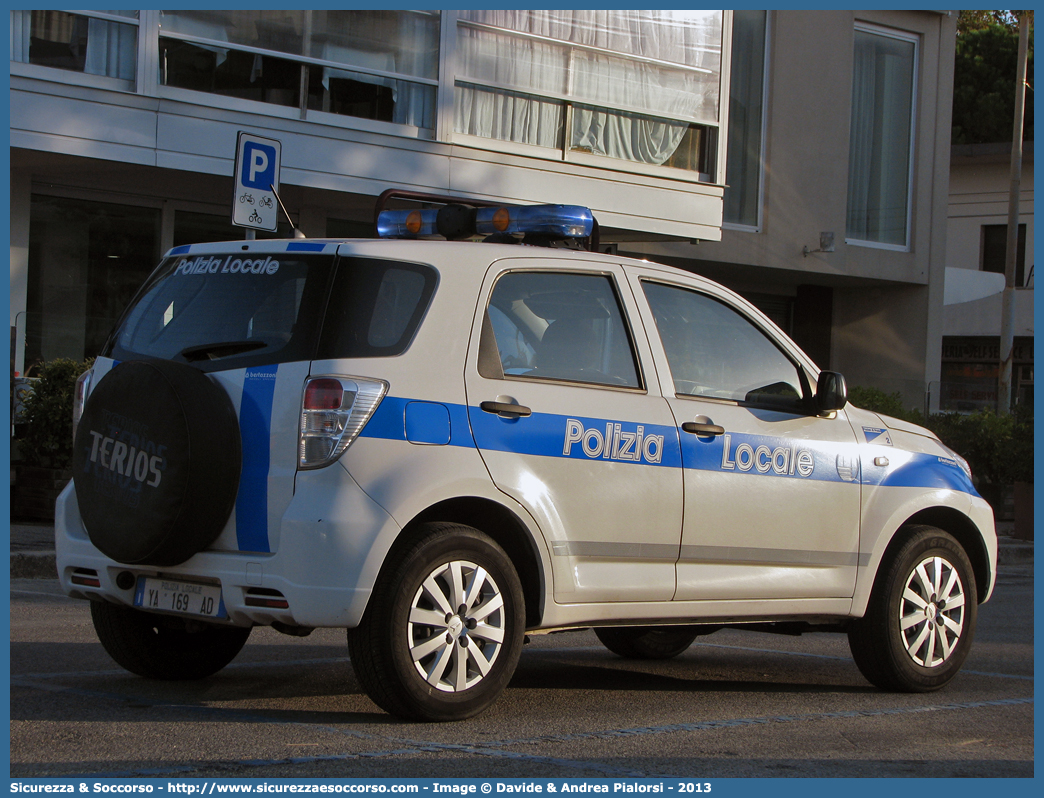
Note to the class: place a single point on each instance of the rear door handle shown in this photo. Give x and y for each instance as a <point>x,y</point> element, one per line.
<point>702,429</point>
<point>507,408</point>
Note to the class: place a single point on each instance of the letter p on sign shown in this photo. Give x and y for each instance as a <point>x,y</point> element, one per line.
<point>259,165</point>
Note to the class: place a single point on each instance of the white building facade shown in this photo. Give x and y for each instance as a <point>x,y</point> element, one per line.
<point>799,157</point>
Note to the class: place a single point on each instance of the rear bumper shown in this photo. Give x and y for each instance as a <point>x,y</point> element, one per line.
<point>331,543</point>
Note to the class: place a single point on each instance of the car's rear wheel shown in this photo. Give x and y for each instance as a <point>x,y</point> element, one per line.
<point>443,631</point>
<point>646,642</point>
<point>920,621</point>
<point>162,647</point>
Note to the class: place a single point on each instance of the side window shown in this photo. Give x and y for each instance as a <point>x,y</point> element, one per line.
<point>375,308</point>
<point>714,351</point>
<point>398,297</point>
<point>561,326</point>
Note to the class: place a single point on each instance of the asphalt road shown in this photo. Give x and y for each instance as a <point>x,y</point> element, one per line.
<point>736,704</point>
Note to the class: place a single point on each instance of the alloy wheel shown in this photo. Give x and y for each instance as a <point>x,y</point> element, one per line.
<point>456,626</point>
<point>931,612</point>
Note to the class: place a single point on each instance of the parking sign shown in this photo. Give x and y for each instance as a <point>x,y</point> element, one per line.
<point>254,201</point>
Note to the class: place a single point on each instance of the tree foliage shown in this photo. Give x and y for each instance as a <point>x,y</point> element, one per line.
<point>984,78</point>
<point>978,20</point>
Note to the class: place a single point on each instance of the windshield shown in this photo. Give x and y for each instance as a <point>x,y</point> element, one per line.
<point>228,310</point>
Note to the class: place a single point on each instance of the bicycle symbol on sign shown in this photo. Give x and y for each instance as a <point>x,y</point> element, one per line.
<point>266,202</point>
<point>247,198</point>
<point>255,217</point>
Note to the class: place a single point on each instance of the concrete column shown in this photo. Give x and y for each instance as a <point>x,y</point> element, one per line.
<point>21,193</point>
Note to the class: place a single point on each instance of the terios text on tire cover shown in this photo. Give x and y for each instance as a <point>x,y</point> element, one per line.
<point>473,429</point>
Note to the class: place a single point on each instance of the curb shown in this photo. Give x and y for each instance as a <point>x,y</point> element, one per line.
<point>33,565</point>
<point>1015,552</point>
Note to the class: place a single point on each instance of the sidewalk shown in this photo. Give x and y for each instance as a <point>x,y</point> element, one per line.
<point>32,550</point>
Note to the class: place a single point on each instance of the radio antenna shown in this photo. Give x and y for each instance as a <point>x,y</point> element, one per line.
<point>297,233</point>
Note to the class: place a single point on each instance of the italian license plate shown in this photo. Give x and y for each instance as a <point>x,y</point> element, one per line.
<point>186,598</point>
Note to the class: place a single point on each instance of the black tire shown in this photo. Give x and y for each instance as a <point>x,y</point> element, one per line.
<point>926,578</point>
<point>159,647</point>
<point>407,650</point>
<point>646,642</point>
<point>156,462</point>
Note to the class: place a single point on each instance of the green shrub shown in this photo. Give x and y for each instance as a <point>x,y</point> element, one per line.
<point>984,439</point>
<point>889,404</point>
<point>47,440</point>
<point>999,449</point>
<point>1022,444</point>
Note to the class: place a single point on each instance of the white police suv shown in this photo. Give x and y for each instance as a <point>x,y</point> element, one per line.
<point>441,446</point>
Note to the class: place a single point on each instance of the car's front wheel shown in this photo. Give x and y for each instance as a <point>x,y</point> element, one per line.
<point>444,628</point>
<point>162,647</point>
<point>919,625</point>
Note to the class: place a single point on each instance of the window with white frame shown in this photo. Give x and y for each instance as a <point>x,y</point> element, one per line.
<point>633,90</point>
<point>380,65</point>
<point>742,198</point>
<point>637,86</point>
<point>881,137</point>
<point>103,43</point>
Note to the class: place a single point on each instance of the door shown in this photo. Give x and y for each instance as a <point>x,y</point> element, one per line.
<point>568,426</point>
<point>771,489</point>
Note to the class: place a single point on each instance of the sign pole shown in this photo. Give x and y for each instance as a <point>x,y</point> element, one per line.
<point>1007,341</point>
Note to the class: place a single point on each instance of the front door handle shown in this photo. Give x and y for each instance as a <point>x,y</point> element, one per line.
<point>702,429</point>
<point>507,408</point>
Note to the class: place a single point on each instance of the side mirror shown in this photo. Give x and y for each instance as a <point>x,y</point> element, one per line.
<point>831,392</point>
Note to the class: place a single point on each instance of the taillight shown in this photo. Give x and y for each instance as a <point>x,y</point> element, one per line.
<point>83,387</point>
<point>324,393</point>
<point>333,412</point>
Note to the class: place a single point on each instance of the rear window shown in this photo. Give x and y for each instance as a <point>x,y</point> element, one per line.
<point>228,310</point>
<point>234,311</point>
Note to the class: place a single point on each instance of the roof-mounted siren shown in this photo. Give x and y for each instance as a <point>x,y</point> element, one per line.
<point>547,225</point>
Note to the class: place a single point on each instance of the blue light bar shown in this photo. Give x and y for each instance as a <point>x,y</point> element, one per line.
<point>567,221</point>
<point>407,224</point>
<point>555,221</point>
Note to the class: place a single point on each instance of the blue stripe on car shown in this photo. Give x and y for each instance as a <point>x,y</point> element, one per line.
<point>921,471</point>
<point>255,425</point>
<point>389,422</point>
<point>290,246</point>
<point>544,435</point>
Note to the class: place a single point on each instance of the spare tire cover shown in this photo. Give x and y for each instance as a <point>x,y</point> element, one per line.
<point>156,462</point>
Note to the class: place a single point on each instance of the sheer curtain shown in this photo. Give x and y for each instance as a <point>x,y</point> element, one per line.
<point>201,25</point>
<point>529,65</point>
<point>879,141</point>
<point>20,33</point>
<point>112,49</point>
<point>595,82</point>
<point>747,83</point>
<point>408,48</point>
